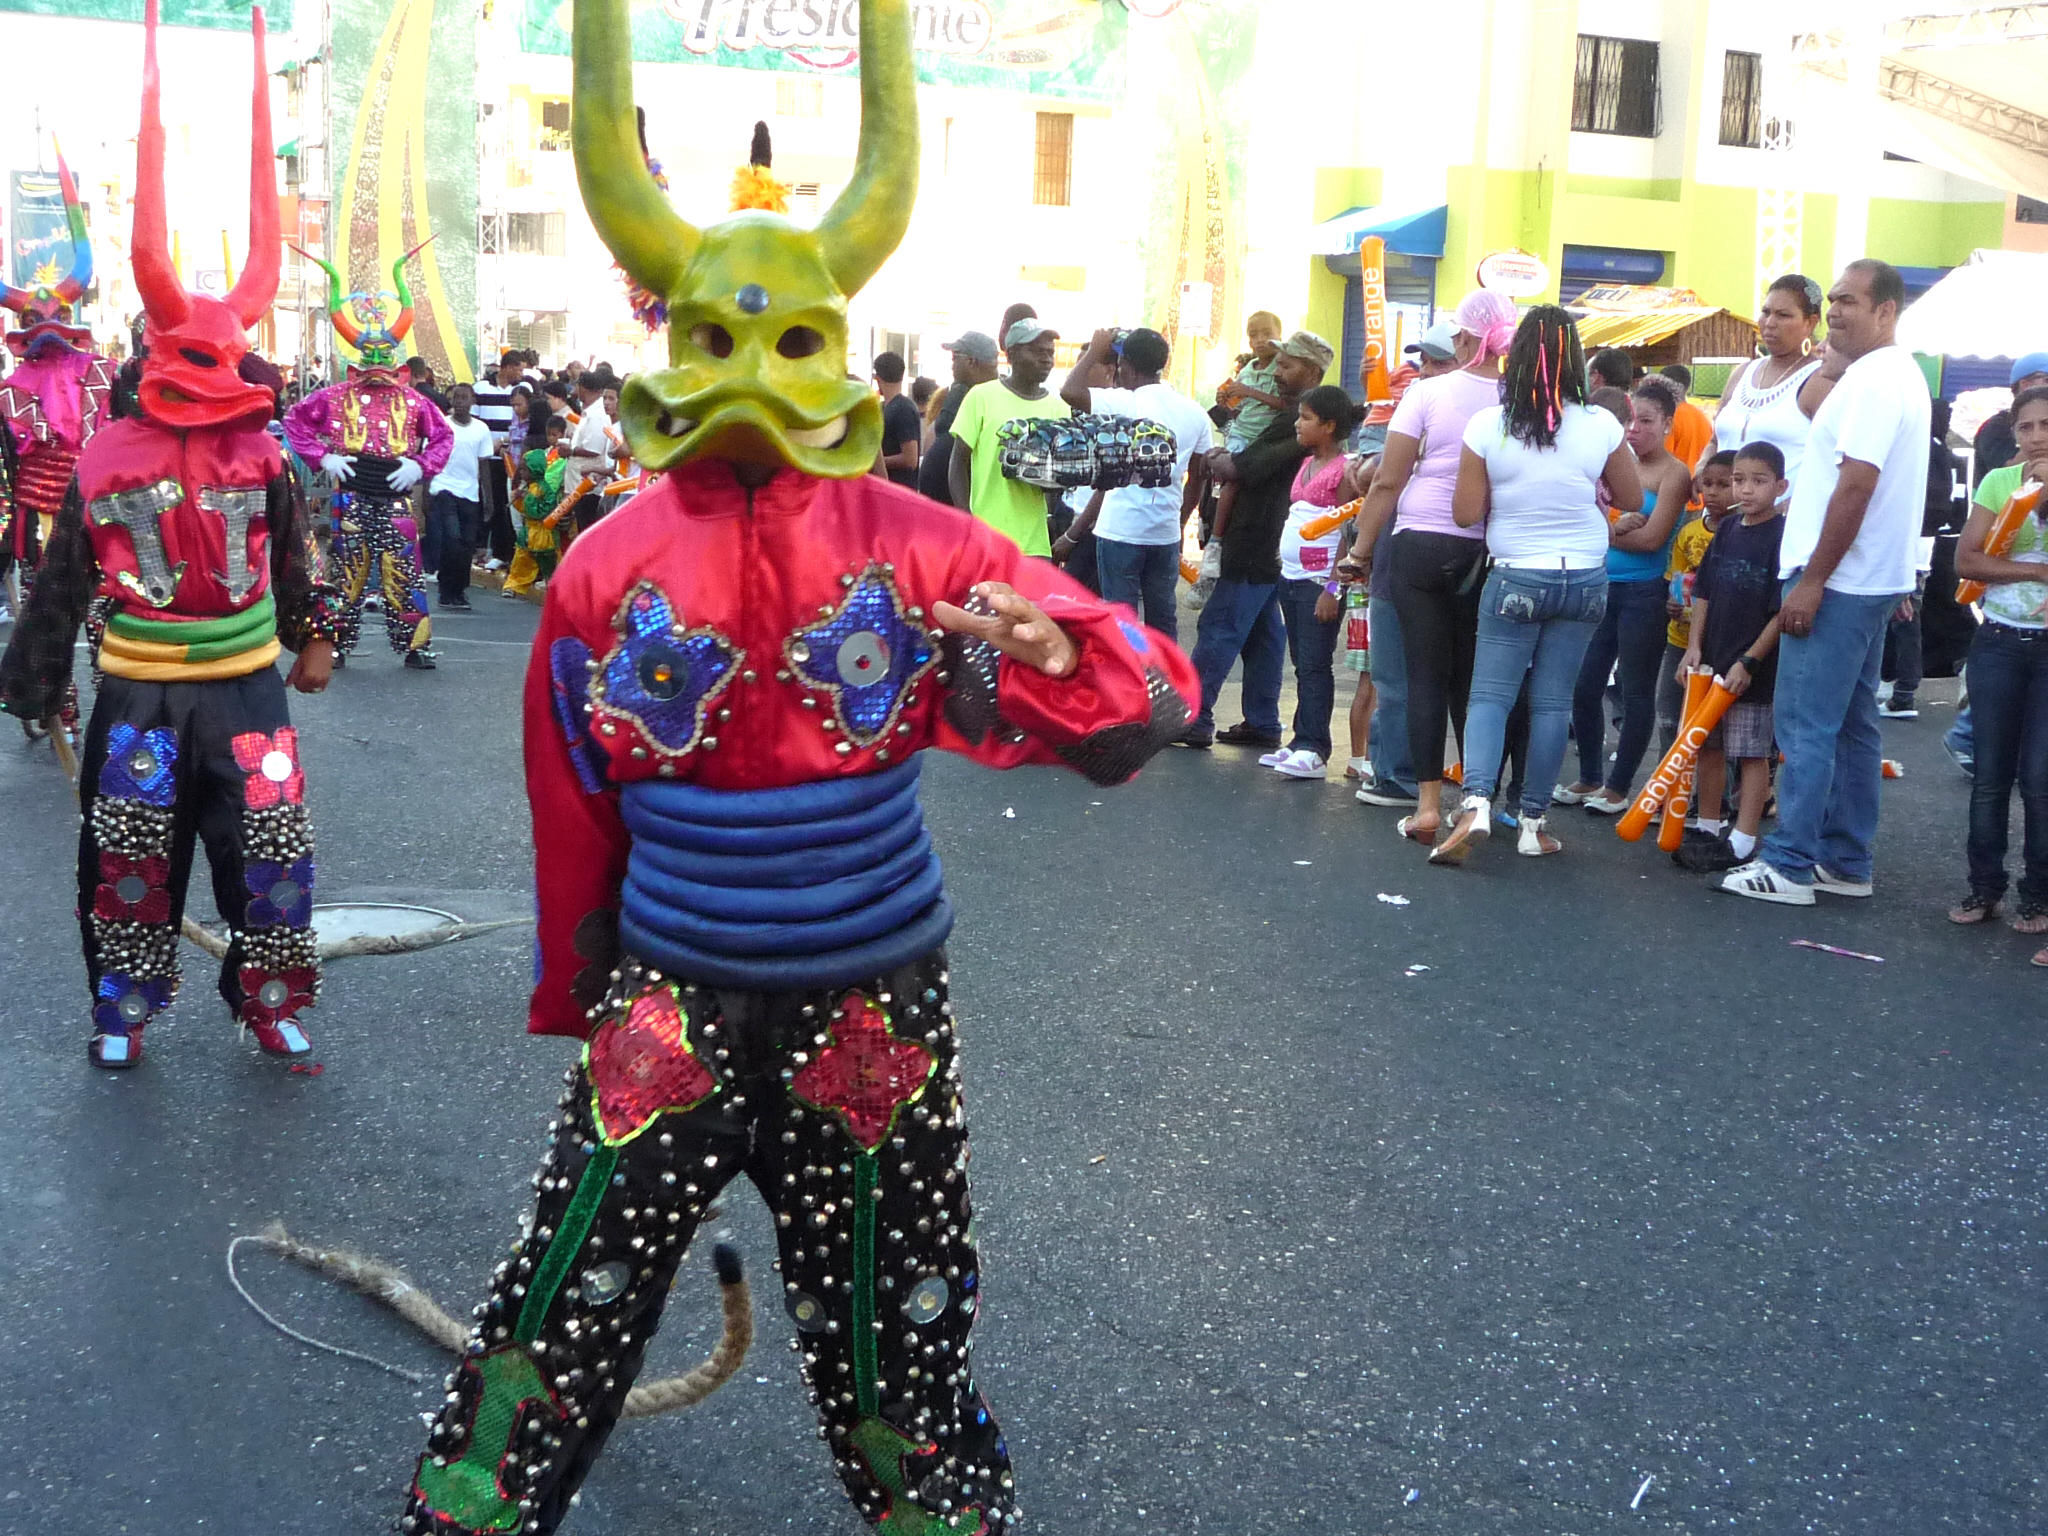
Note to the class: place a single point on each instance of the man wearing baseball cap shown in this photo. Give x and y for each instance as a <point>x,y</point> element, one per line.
<point>974,362</point>
<point>1242,615</point>
<point>1436,346</point>
<point>975,475</point>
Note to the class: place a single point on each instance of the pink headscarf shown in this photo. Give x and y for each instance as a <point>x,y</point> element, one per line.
<point>1491,318</point>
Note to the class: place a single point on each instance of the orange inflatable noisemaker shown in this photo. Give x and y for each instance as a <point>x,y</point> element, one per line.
<point>1691,736</point>
<point>2004,529</point>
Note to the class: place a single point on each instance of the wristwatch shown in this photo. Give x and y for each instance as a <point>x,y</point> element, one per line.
<point>1749,664</point>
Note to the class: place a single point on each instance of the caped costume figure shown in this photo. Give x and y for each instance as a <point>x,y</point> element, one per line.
<point>183,523</point>
<point>58,394</point>
<point>740,914</point>
<point>377,438</point>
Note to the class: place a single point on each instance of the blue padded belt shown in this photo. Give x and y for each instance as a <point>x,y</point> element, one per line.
<point>815,884</point>
<point>802,866</point>
<point>786,902</point>
<point>836,968</point>
<point>644,819</point>
<point>767,807</point>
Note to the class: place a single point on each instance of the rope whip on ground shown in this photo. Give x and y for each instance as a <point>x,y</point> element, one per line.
<point>388,1285</point>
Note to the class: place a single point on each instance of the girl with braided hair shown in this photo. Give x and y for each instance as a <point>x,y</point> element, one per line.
<point>1531,471</point>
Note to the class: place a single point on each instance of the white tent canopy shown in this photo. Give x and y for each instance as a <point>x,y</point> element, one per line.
<point>1994,305</point>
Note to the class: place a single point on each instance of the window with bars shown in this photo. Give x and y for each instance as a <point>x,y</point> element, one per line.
<point>490,234</point>
<point>554,123</point>
<point>1052,182</point>
<point>535,234</point>
<point>1614,88</point>
<point>546,333</point>
<point>2029,210</point>
<point>1742,100</point>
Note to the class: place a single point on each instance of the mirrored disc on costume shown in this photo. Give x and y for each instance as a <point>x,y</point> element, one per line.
<point>141,763</point>
<point>863,658</point>
<point>606,1282</point>
<point>273,993</point>
<point>284,893</point>
<point>131,888</point>
<point>134,1007</point>
<point>927,1300</point>
<point>277,766</point>
<point>806,1311</point>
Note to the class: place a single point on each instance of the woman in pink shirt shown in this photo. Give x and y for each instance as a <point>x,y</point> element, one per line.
<point>1436,564</point>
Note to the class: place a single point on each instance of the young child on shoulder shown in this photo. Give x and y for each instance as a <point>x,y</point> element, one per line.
<point>1735,631</point>
<point>1252,394</point>
<point>1715,487</point>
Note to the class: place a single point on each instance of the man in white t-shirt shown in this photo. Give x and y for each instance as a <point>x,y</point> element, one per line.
<point>1138,531</point>
<point>590,446</point>
<point>1851,546</point>
<point>455,498</point>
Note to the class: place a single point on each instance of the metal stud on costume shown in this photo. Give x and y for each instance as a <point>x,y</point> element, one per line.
<point>740,913</point>
<point>181,529</point>
<point>379,438</point>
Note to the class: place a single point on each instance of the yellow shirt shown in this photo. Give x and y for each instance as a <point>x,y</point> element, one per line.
<point>1687,551</point>
<point>1008,506</point>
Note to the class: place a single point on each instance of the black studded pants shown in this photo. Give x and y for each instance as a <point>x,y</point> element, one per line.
<point>843,1109</point>
<point>167,768</point>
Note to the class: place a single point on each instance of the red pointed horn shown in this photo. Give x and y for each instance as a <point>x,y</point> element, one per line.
<point>156,276</point>
<point>257,286</point>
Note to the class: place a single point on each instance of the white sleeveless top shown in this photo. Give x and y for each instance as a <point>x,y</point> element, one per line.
<point>1752,415</point>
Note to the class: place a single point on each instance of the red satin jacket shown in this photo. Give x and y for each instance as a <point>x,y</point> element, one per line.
<point>744,639</point>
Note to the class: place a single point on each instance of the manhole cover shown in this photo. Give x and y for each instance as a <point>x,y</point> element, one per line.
<point>342,920</point>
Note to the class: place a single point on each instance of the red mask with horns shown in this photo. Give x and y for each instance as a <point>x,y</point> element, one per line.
<point>195,342</point>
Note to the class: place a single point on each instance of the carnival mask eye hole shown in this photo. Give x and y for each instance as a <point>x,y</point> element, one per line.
<point>197,358</point>
<point>715,339</point>
<point>800,341</point>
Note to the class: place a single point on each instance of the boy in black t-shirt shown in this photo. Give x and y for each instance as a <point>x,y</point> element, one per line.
<point>1735,631</point>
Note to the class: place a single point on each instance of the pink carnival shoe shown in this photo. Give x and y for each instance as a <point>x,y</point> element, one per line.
<point>284,1038</point>
<point>115,1051</point>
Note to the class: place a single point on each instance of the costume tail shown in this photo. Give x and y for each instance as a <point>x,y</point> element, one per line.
<point>388,1285</point>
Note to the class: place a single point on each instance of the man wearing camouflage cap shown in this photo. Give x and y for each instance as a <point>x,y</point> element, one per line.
<point>1242,616</point>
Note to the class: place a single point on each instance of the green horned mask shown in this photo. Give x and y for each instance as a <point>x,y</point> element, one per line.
<point>756,306</point>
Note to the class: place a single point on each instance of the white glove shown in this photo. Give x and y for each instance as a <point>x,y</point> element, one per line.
<point>340,467</point>
<point>406,476</point>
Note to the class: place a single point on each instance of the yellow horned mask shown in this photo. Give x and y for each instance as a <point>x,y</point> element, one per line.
<point>756,306</point>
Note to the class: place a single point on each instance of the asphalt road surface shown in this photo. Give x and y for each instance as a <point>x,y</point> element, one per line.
<point>1625,1214</point>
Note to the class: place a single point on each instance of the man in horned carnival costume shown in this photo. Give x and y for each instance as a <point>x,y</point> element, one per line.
<point>58,395</point>
<point>378,439</point>
<point>740,915</point>
<point>183,521</point>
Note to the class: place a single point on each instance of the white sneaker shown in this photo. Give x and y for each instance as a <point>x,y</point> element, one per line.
<point>1275,758</point>
<point>1303,764</point>
<point>1761,882</point>
<point>1825,879</point>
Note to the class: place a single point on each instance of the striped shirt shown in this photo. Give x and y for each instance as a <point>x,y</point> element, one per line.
<point>494,409</point>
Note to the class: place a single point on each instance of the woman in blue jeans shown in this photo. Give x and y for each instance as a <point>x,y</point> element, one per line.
<point>1531,471</point>
<point>2009,685</point>
<point>1629,640</point>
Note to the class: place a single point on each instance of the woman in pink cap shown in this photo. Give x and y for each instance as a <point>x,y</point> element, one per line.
<point>1437,564</point>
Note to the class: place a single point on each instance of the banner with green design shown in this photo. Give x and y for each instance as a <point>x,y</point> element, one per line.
<point>1071,49</point>
<point>402,98</point>
<point>175,13</point>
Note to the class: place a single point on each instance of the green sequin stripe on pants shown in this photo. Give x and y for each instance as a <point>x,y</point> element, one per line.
<point>878,1269</point>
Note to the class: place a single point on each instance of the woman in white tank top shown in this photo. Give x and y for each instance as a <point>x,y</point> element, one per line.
<point>1772,400</point>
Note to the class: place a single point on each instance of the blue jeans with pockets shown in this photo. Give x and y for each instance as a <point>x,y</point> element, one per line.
<point>1534,624</point>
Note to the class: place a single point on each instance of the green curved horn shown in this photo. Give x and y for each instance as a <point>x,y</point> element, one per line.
<point>872,214</point>
<point>337,313</point>
<point>632,217</point>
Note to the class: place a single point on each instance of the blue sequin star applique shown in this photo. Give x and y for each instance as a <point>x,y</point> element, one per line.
<point>868,653</point>
<point>661,677</point>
